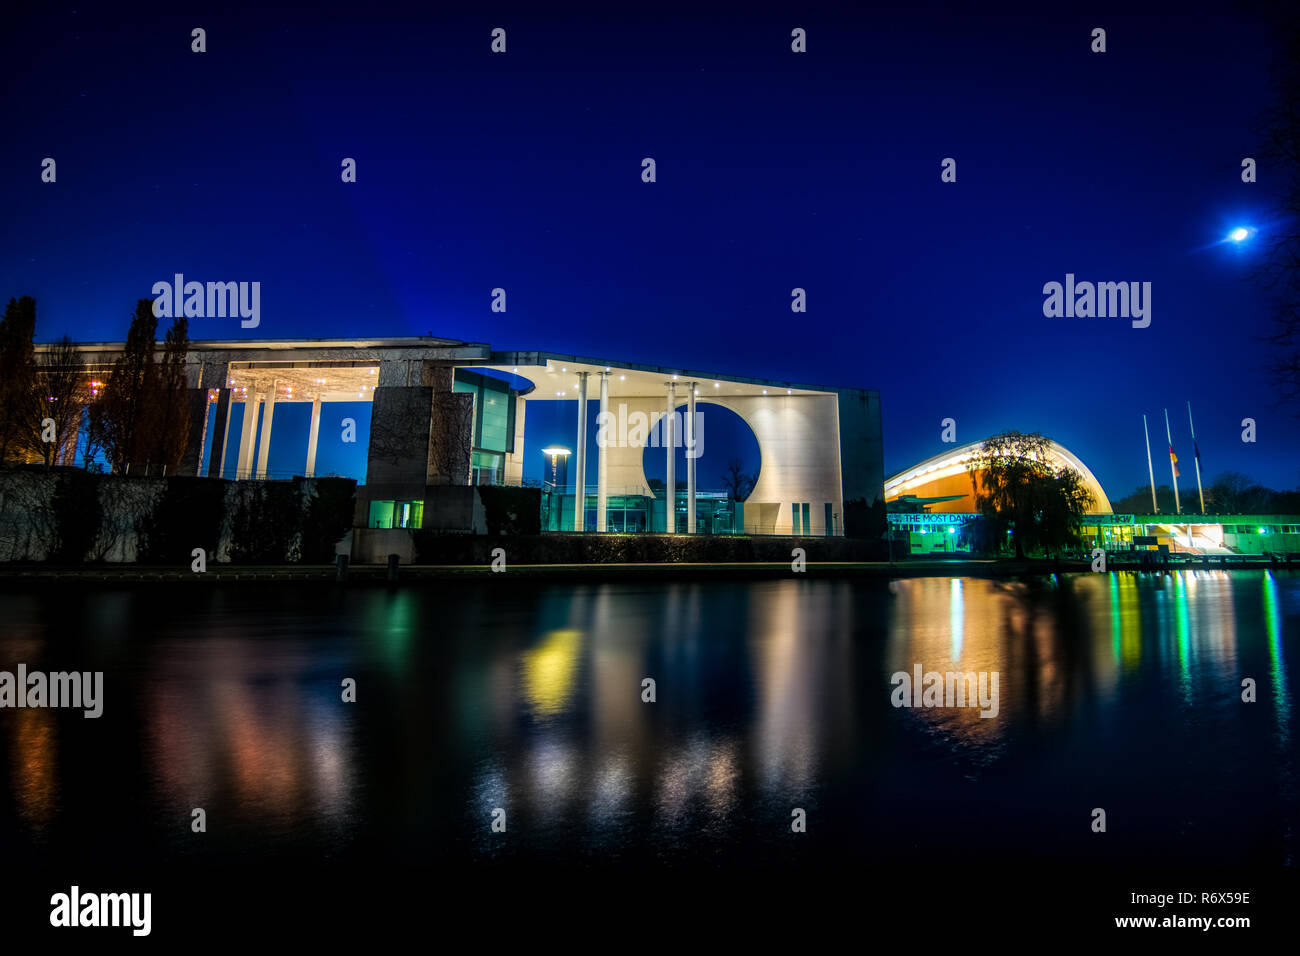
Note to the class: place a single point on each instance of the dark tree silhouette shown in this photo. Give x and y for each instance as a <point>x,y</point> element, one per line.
<point>738,482</point>
<point>121,422</point>
<point>17,380</point>
<point>170,398</point>
<point>60,393</point>
<point>1018,489</point>
<point>1279,270</point>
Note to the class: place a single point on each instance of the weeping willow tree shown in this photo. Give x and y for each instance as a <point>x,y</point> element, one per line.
<point>1019,490</point>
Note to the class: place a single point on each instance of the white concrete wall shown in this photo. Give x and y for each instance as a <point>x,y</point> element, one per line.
<point>798,439</point>
<point>514,470</point>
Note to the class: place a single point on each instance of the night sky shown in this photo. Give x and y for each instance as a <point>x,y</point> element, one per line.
<point>775,170</point>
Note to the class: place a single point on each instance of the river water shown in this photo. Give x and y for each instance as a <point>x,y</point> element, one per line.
<point>523,701</point>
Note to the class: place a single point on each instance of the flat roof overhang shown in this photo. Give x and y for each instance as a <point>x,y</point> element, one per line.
<point>555,378</point>
<point>237,345</point>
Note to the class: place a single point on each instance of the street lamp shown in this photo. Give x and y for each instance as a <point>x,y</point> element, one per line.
<point>558,454</point>
<point>1240,234</point>
<point>559,457</point>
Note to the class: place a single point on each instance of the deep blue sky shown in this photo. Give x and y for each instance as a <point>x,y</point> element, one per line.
<point>775,170</point>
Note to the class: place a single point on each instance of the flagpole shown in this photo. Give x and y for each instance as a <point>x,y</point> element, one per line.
<point>1150,471</point>
<point>1196,455</point>
<point>1173,469</point>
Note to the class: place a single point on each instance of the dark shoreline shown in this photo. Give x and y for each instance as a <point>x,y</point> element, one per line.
<point>27,576</point>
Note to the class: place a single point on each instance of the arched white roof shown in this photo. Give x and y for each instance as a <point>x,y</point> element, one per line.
<point>956,461</point>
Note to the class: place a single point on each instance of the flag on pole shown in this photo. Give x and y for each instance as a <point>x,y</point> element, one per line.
<point>1173,461</point>
<point>1196,450</point>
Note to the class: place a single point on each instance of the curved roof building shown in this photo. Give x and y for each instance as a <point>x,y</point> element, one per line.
<point>943,483</point>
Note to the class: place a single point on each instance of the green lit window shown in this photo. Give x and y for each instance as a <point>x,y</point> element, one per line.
<point>381,514</point>
<point>409,514</point>
<point>396,514</point>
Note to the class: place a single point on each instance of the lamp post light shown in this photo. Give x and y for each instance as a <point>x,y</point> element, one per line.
<point>559,460</point>
<point>557,455</point>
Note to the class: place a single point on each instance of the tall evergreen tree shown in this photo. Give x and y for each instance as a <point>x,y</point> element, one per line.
<point>17,380</point>
<point>122,418</point>
<point>171,399</point>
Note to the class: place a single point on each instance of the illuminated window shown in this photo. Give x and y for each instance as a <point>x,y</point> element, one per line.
<point>381,514</point>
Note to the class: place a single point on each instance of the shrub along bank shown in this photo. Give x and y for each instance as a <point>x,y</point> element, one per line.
<point>68,516</point>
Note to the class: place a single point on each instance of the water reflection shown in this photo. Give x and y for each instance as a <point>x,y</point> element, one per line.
<point>222,729</point>
<point>1277,664</point>
<point>768,696</point>
<point>34,752</point>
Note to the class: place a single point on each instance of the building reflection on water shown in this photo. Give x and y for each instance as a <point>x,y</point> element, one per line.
<point>33,766</point>
<point>763,680</point>
<point>769,695</point>
<point>277,750</point>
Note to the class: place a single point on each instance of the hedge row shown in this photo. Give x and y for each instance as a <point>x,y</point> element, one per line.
<point>510,510</point>
<point>69,516</point>
<point>564,548</point>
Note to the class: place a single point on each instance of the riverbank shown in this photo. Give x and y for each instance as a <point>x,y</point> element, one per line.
<point>16,577</point>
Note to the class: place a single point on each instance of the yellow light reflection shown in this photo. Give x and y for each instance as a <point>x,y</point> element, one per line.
<point>549,671</point>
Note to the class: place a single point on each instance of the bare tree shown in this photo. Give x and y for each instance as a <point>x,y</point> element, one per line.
<point>738,482</point>
<point>1236,494</point>
<point>1279,270</point>
<point>60,393</point>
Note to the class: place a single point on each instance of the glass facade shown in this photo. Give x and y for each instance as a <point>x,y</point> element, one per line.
<point>494,424</point>
<point>932,533</point>
<point>715,513</point>
<point>1116,533</point>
